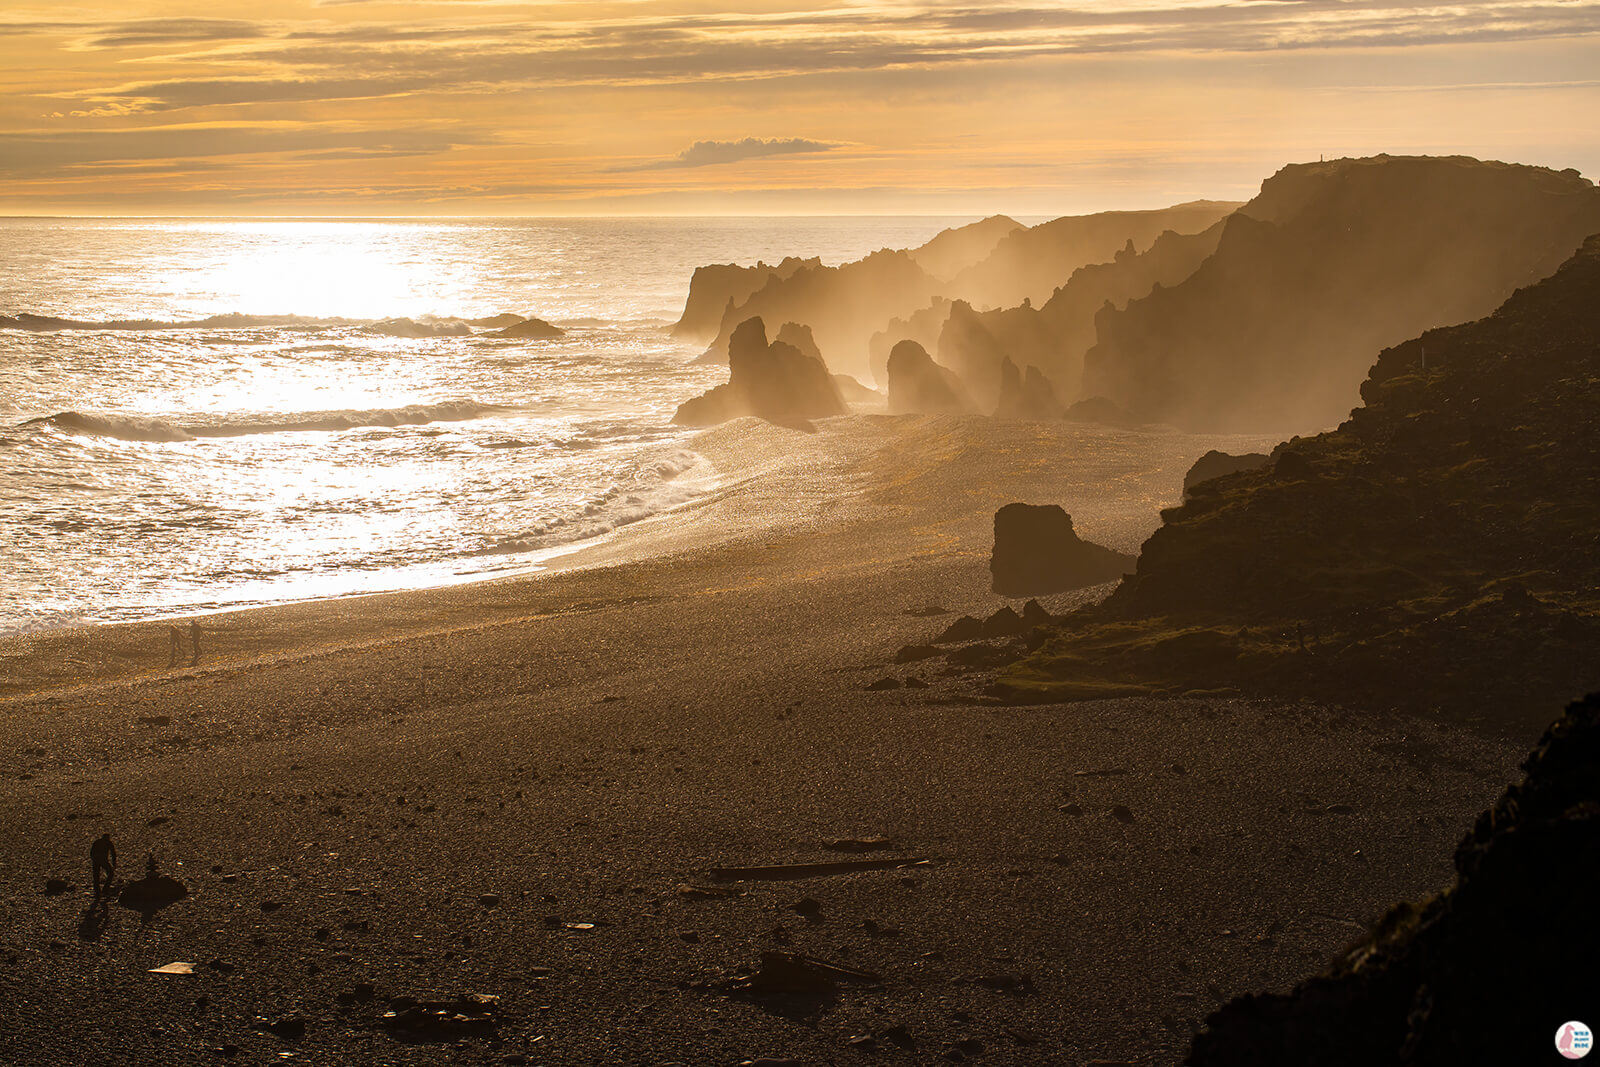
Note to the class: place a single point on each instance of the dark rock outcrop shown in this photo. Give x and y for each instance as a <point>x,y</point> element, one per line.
<point>1037,551</point>
<point>1330,263</point>
<point>1484,972</point>
<point>919,385</point>
<point>1216,464</point>
<point>1439,551</point>
<point>1101,410</point>
<point>1026,396</point>
<point>774,381</point>
<point>531,329</point>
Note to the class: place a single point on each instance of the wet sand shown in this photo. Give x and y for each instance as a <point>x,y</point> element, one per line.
<point>339,784</point>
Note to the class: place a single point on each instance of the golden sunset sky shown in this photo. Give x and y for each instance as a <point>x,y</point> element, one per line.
<point>490,107</point>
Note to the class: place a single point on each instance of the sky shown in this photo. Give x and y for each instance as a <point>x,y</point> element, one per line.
<point>762,107</point>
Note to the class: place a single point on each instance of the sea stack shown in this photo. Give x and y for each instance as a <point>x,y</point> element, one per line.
<point>1036,551</point>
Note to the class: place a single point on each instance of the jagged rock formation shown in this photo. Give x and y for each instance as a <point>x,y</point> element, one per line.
<point>1036,551</point>
<point>1029,264</point>
<point>774,381</point>
<point>716,290</point>
<point>1055,337</point>
<point>846,305</point>
<point>1330,263</point>
<point>1441,549</point>
<point>532,329</point>
<point>799,335</point>
<point>1025,396</point>
<point>919,385</point>
<point>1216,464</point>
<point>1486,971</point>
<point>922,326</point>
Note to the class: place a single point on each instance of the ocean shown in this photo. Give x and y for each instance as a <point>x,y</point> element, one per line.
<point>250,411</point>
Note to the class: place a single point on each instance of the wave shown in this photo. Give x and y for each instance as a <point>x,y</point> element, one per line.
<point>656,487</point>
<point>426,326</point>
<point>136,429</point>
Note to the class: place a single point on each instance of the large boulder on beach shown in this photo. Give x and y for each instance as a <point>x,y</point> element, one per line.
<point>1215,464</point>
<point>1026,394</point>
<point>918,385</point>
<point>1036,551</point>
<point>775,381</point>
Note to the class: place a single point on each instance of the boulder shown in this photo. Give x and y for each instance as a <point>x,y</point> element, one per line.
<point>1215,464</point>
<point>918,385</point>
<point>1036,551</point>
<point>774,381</point>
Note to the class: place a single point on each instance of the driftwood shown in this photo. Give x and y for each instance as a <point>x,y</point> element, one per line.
<point>785,871</point>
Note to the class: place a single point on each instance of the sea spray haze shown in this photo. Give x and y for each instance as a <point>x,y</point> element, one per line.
<point>256,411</point>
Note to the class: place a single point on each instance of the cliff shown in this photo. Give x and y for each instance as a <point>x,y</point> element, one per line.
<point>1440,549</point>
<point>1486,971</point>
<point>1331,262</point>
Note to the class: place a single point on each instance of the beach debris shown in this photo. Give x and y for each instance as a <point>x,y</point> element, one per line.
<point>705,892</point>
<point>863,1043</point>
<point>965,628</point>
<point>771,1061</point>
<point>785,871</point>
<point>883,684</point>
<point>914,653</point>
<point>797,973</point>
<point>54,887</point>
<point>858,844</point>
<point>471,1015</point>
<point>175,967</point>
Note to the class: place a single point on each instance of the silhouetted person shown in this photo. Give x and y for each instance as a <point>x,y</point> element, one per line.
<point>176,637</point>
<point>103,857</point>
<point>194,640</point>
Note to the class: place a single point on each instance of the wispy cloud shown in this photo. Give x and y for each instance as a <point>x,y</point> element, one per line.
<point>711,153</point>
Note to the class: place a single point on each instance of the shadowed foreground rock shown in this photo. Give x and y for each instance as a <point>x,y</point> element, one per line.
<point>1216,464</point>
<point>775,381</point>
<point>1485,972</point>
<point>1036,551</point>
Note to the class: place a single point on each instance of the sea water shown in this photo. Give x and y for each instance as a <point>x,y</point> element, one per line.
<point>250,411</point>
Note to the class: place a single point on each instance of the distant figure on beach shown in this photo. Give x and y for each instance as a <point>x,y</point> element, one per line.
<point>176,636</point>
<point>194,640</point>
<point>103,857</point>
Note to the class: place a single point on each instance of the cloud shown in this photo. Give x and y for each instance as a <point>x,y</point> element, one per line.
<point>711,153</point>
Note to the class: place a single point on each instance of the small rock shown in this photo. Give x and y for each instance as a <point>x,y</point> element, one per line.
<point>271,905</point>
<point>884,683</point>
<point>965,628</point>
<point>1075,810</point>
<point>808,908</point>
<point>689,937</point>
<point>489,900</point>
<point>913,653</point>
<point>916,683</point>
<point>1122,814</point>
<point>864,1043</point>
<point>54,887</point>
<point>289,1027</point>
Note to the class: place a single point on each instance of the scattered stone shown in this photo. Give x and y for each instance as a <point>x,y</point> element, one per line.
<point>288,1027</point>
<point>914,653</point>
<point>54,887</point>
<point>808,908</point>
<point>473,1015</point>
<point>489,900</point>
<point>914,682</point>
<point>883,684</point>
<point>864,1043</point>
<point>159,820</point>
<point>271,905</point>
<point>222,966</point>
<point>689,937</point>
<point>1071,809</point>
<point>872,927</point>
<point>1122,814</point>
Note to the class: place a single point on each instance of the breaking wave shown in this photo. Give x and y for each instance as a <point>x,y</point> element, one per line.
<point>136,429</point>
<point>427,326</point>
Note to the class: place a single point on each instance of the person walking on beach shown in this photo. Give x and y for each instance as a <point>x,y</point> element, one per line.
<point>176,637</point>
<point>194,640</point>
<point>103,857</point>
